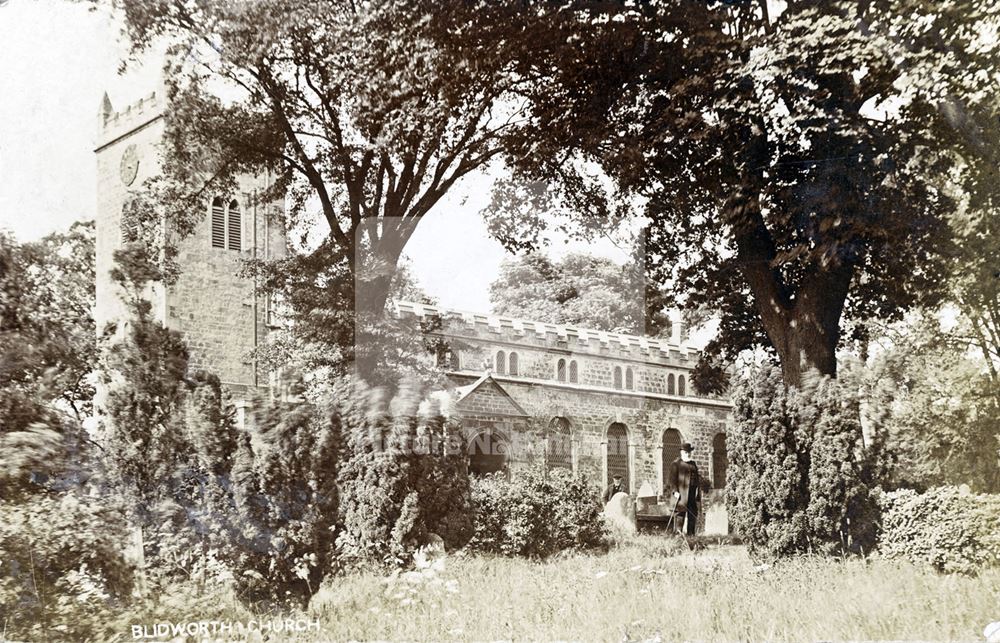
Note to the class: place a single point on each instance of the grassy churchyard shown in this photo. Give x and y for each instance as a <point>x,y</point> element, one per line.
<point>651,587</point>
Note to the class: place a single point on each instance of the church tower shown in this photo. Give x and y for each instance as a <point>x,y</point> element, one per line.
<point>215,310</point>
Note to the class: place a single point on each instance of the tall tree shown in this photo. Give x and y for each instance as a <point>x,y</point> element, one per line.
<point>366,114</point>
<point>795,166</point>
<point>578,289</point>
<point>47,333</point>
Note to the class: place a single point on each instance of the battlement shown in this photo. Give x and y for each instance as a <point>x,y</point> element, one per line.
<point>114,124</point>
<point>569,338</point>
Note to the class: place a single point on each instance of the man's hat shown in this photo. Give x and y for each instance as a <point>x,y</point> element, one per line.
<point>687,447</point>
<point>617,476</point>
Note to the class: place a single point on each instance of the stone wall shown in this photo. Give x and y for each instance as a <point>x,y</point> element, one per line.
<point>591,413</point>
<point>212,306</point>
<point>139,125</point>
<point>593,403</point>
<point>209,304</point>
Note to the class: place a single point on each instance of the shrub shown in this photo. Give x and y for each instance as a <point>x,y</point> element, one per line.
<point>285,492</point>
<point>536,514</point>
<point>403,478</point>
<point>62,567</point>
<point>799,477</point>
<point>945,528</point>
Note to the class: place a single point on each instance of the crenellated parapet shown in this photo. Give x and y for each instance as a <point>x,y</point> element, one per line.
<point>555,337</point>
<point>116,124</point>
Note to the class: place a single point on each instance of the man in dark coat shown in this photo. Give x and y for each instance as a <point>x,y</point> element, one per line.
<point>617,485</point>
<point>684,484</point>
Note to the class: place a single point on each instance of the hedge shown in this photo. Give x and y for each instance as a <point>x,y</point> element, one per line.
<point>951,530</point>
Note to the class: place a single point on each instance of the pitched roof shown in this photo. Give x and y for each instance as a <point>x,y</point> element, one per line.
<point>465,393</point>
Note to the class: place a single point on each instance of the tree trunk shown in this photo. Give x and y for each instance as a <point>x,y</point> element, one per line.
<point>802,346</point>
<point>805,333</point>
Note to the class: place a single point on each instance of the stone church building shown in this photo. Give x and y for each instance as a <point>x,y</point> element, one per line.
<point>526,392</point>
<point>217,311</point>
<point>599,403</point>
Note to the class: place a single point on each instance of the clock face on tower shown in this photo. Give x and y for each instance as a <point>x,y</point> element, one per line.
<point>130,165</point>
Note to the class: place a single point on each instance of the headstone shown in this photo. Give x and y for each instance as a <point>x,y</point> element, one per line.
<point>620,513</point>
<point>644,497</point>
<point>716,520</point>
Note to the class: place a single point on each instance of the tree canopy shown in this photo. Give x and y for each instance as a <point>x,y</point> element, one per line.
<point>579,289</point>
<point>47,332</point>
<point>798,169</point>
<point>363,115</point>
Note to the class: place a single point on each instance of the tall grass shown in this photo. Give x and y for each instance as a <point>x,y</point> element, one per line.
<point>650,587</point>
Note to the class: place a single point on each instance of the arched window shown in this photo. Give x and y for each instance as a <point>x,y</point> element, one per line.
<point>559,445</point>
<point>720,461</point>
<point>453,361</point>
<point>680,385</point>
<point>561,370</point>
<point>671,451</point>
<point>573,375</point>
<point>501,364</point>
<point>617,459</point>
<point>629,379</point>
<point>670,384</point>
<point>218,224</point>
<point>618,377</point>
<point>488,453</point>
<point>235,227</point>
<point>512,364</point>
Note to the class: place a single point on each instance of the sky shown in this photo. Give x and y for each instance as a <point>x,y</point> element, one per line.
<point>57,58</point>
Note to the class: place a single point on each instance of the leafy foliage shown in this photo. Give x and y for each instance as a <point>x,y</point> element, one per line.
<point>169,440</point>
<point>943,527</point>
<point>938,402</point>
<point>795,165</point>
<point>537,514</point>
<point>403,478</point>
<point>800,477</point>
<point>579,289</point>
<point>287,500</point>
<point>47,332</point>
<point>62,567</point>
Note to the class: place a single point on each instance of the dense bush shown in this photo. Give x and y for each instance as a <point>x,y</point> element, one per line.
<point>403,478</point>
<point>800,476</point>
<point>945,528</point>
<point>286,496</point>
<point>536,514</point>
<point>62,566</point>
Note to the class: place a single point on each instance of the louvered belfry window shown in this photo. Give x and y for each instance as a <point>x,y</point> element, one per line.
<point>618,452</point>
<point>235,227</point>
<point>218,224</point>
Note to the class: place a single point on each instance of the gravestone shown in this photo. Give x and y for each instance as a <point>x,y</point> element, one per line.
<point>645,497</point>
<point>716,519</point>
<point>620,513</point>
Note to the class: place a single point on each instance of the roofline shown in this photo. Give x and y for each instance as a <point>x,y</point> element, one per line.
<point>420,309</point>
